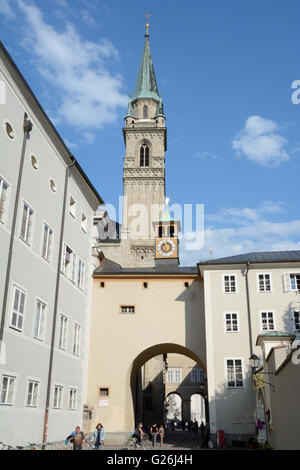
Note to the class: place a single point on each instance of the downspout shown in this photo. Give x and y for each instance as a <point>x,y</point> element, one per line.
<point>47,406</point>
<point>248,308</point>
<point>27,128</point>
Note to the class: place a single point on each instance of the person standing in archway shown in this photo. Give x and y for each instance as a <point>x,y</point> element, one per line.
<point>154,433</point>
<point>161,433</point>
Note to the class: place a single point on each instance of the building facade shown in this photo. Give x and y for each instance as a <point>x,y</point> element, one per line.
<point>46,216</point>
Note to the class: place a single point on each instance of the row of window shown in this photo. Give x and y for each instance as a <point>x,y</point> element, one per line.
<point>73,267</point>
<point>40,320</point>
<point>267,321</point>
<point>234,374</point>
<point>8,391</point>
<point>291,283</point>
<point>28,212</point>
<point>174,375</point>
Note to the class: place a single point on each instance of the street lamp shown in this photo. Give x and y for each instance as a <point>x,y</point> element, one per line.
<point>254,362</point>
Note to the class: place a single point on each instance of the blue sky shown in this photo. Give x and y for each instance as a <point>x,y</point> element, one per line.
<point>225,70</point>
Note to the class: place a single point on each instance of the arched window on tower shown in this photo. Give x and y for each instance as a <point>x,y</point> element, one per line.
<point>161,231</point>
<point>144,154</point>
<point>145,112</point>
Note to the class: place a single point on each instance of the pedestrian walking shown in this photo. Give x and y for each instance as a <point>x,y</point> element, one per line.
<point>77,438</point>
<point>161,433</point>
<point>98,437</point>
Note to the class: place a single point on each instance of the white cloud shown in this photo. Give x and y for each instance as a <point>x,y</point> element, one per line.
<point>88,94</point>
<point>243,230</point>
<point>260,143</point>
<point>6,9</point>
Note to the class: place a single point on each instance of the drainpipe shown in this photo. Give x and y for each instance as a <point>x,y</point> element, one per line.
<point>47,406</point>
<point>27,128</point>
<point>248,308</point>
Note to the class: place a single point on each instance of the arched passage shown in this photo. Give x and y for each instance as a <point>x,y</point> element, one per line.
<point>135,400</point>
<point>173,409</point>
<point>198,411</point>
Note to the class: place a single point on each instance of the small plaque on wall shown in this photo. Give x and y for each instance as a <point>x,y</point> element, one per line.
<point>103,402</point>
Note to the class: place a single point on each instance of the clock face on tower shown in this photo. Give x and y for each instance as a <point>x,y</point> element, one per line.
<point>166,247</point>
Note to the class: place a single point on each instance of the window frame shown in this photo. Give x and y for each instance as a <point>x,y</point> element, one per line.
<point>65,332</point>
<point>72,211</point>
<point>127,306</point>
<point>78,349</point>
<point>49,257</point>
<point>29,241</point>
<point>76,390</point>
<point>225,322</point>
<point>296,330</point>
<point>236,283</point>
<point>36,382</point>
<point>3,220</point>
<point>43,336</point>
<point>61,388</point>
<point>258,283</point>
<point>25,292</point>
<point>234,387</point>
<point>174,371</point>
<point>13,376</point>
<point>267,318</point>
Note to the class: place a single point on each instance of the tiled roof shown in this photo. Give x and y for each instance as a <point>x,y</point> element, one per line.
<point>257,257</point>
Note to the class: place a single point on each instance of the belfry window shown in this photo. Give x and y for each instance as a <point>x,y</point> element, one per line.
<point>144,155</point>
<point>145,112</point>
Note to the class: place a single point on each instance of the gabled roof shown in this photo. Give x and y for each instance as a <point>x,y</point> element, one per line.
<point>257,257</point>
<point>146,86</point>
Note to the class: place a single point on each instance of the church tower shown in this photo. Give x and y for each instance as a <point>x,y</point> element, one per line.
<point>145,137</point>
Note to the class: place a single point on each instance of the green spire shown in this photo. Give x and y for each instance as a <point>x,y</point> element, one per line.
<point>129,109</point>
<point>146,86</point>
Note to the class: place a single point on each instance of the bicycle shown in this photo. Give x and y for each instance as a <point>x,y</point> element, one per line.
<point>132,443</point>
<point>34,446</point>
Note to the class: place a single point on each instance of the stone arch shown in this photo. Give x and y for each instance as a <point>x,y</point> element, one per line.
<point>181,399</point>
<point>143,357</point>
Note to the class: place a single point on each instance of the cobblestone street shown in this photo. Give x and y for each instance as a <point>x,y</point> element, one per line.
<point>174,440</point>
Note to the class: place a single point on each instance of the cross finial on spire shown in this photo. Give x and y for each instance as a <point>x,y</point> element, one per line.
<point>147,25</point>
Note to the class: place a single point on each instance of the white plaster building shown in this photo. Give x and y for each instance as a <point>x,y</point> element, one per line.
<point>46,216</point>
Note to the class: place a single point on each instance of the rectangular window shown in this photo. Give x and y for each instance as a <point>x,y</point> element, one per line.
<point>297,321</point>
<point>7,390</point>
<point>72,207</point>
<point>26,227</point>
<point>231,323</point>
<point>57,397</point>
<point>267,321</point>
<point>104,392</point>
<point>73,399</point>
<point>83,222</point>
<point>3,198</point>
<point>229,284</point>
<point>32,393</point>
<point>63,327</point>
<point>17,318</point>
<point>80,274</point>
<point>234,373</point>
<point>40,319</point>
<point>264,283</point>
<point>295,281</point>
<point>74,263</point>
<point>47,242</point>
<point>67,261</point>
<point>197,375</point>
<point>76,342</point>
<point>174,375</point>
<point>127,309</point>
